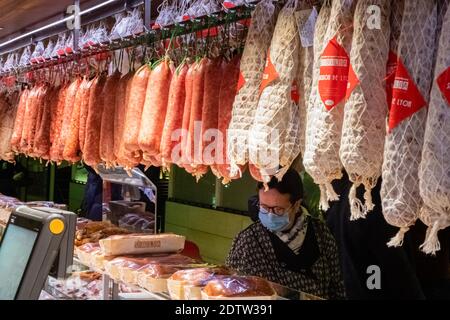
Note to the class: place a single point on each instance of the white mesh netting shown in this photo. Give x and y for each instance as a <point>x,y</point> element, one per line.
<point>434,171</point>
<point>323,132</point>
<point>276,117</point>
<point>400,196</point>
<point>251,68</point>
<point>364,126</point>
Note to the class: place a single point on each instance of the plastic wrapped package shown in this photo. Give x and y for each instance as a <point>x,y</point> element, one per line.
<point>25,57</point>
<point>38,53</point>
<point>59,48</point>
<point>135,23</point>
<point>187,284</point>
<point>86,252</point>
<point>48,50</point>
<point>119,28</point>
<point>127,268</point>
<point>137,222</point>
<point>100,34</point>
<point>239,288</point>
<point>139,244</point>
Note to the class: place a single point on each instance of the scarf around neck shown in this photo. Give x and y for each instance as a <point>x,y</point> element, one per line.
<point>295,236</point>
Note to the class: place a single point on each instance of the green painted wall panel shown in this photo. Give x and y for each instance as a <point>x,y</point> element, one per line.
<point>76,195</point>
<point>212,230</point>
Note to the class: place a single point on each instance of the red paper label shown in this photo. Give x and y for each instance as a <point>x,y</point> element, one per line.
<point>391,67</point>
<point>211,32</point>
<point>295,95</point>
<point>270,73</point>
<point>186,18</point>
<point>228,5</point>
<point>443,82</point>
<point>334,71</point>
<point>406,97</point>
<point>245,22</point>
<point>241,82</point>
<point>353,81</point>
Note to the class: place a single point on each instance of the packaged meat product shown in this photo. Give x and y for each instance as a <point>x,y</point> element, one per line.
<point>365,111</point>
<point>434,170</point>
<point>268,135</point>
<point>86,253</point>
<point>138,244</point>
<point>134,111</point>
<point>155,109</point>
<point>187,284</point>
<point>120,116</point>
<point>107,122</point>
<point>238,288</point>
<point>84,110</point>
<point>194,156</point>
<point>56,124</point>
<point>171,134</point>
<point>67,115</point>
<point>251,72</point>
<point>326,105</point>
<point>185,155</point>
<point>228,89</point>
<point>94,231</point>
<point>210,109</point>
<point>7,116</point>
<point>42,140</point>
<point>400,192</point>
<point>127,268</point>
<point>91,152</point>
<point>18,123</point>
<point>72,145</point>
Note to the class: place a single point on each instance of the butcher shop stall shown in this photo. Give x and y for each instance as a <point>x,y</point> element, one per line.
<point>140,139</point>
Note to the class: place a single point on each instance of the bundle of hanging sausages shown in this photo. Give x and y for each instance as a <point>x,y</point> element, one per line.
<point>129,119</point>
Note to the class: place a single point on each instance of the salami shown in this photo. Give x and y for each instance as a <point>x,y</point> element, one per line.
<point>364,126</point>
<point>434,170</point>
<point>326,106</point>
<point>72,144</point>
<point>400,193</point>
<point>210,110</point>
<point>228,88</point>
<point>173,124</point>
<point>55,127</point>
<point>107,124</point>
<point>134,111</point>
<point>155,108</point>
<point>93,123</point>
<point>19,120</point>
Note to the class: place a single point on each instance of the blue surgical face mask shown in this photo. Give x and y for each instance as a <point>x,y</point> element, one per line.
<point>272,221</point>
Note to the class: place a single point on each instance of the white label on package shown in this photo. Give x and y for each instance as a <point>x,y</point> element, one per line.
<point>306,20</point>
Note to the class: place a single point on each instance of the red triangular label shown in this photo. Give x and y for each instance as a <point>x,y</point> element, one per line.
<point>406,97</point>
<point>241,82</point>
<point>334,70</point>
<point>270,73</point>
<point>443,82</point>
<point>391,67</point>
<point>353,81</point>
<point>295,94</point>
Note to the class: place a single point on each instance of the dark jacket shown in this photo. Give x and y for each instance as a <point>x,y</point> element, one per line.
<point>314,270</point>
<point>362,243</point>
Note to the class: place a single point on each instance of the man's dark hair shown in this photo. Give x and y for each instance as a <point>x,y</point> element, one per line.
<point>290,184</point>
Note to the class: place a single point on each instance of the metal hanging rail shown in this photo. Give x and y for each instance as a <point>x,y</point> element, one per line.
<point>149,36</point>
<point>90,15</point>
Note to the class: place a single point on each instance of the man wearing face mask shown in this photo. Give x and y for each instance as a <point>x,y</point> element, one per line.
<point>286,245</point>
